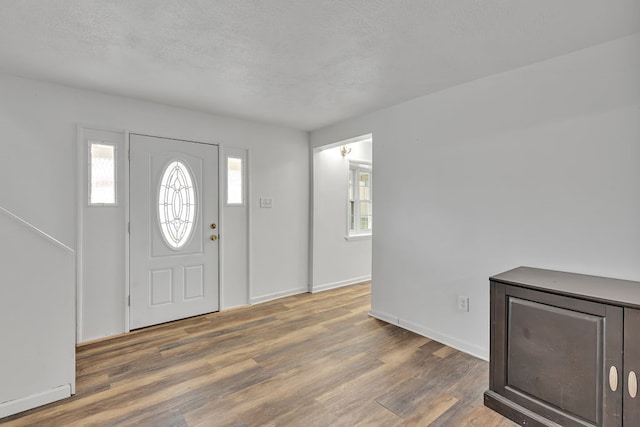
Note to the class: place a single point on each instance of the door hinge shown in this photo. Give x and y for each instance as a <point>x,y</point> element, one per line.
<point>129,300</point>
<point>129,227</point>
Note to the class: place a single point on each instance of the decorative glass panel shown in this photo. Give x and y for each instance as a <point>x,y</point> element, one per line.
<point>176,204</point>
<point>102,174</point>
<point>234,181</point>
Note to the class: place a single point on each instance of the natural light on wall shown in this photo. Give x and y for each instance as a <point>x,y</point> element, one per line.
<point>102,174</point>
<point>234,181</point>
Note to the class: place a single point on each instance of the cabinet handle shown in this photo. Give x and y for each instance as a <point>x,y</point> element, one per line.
<point>613,378</point>
<point>632,384</point>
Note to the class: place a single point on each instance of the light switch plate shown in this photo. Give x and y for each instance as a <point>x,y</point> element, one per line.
<point>463,303</point>
<point>266,202</point>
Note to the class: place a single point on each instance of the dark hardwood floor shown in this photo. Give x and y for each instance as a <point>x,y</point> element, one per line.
<point>305,360</point>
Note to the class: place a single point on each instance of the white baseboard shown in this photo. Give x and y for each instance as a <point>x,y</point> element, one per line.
<point>25,403</point>
<point>276,295</point>
<point>233,307</point>
<point>341,283</point>
<point>464,346</point>
<point>385,317</point>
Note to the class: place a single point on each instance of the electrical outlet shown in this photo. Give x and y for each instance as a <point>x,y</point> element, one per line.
<point>463,303</point>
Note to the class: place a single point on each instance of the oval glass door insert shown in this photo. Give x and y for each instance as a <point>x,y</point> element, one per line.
<point>176,204</point>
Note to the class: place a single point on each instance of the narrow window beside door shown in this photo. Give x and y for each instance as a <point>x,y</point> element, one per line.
<point>235,180</point>
<point>102,174</point>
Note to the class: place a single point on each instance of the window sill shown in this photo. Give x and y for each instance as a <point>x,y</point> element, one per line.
<point>356,237</point>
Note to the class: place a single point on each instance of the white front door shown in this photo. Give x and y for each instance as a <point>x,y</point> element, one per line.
<point>173,224</point>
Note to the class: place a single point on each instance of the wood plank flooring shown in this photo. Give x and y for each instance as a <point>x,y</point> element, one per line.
<point>305,360</point>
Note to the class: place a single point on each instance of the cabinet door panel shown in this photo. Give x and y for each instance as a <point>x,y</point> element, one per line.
<point>631,364</point>
<point>553,355</point>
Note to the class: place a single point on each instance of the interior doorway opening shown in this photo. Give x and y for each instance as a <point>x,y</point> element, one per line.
<point>342,213</point>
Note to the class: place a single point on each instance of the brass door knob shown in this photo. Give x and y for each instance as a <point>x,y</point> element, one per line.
<point>214,237</point>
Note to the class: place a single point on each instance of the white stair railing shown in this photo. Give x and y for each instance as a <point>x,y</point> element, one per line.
<point>35,229</point>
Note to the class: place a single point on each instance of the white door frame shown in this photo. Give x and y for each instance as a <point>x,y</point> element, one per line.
<point>123,174</point>
<point>81,177</point>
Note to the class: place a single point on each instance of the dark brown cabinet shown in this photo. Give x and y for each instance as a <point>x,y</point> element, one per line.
<point>565,349</point>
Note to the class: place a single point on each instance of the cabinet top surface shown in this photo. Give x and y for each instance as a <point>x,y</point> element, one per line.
<point>602,289</point>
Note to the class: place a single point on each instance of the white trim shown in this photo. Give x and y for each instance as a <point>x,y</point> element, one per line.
<point>25,403</point>
<point>356,237</point>
<point>311,216</point>
<point>464,346</point>
<point>339,284</point>
<point>360,138</point>
<point>221,186</point>
<point>32,227</point>
<point>249,216</point>
<point>127,234</point>
<point>385,317</point>
<point>281,294</point>
<point>233,307</point>
<point>362,164</point>
<point>79,231</point>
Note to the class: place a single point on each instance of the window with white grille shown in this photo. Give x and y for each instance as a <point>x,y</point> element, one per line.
<point>360,203</point>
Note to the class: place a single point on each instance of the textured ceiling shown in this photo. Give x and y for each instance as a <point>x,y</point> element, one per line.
<point>300,63</point>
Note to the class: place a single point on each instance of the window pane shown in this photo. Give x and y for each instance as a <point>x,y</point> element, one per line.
<point>352,216</point>
<point>351,173</point>
<point>364,208</point>
<point>234,181</point>
<point>365,186</point>
<point>365,216</point>
<point>102,174</point>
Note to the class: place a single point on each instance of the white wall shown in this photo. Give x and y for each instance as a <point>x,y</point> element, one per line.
<point>39,120</point>
<point>539,166</point>
<point>37,317</point>
<point>336,260</point>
